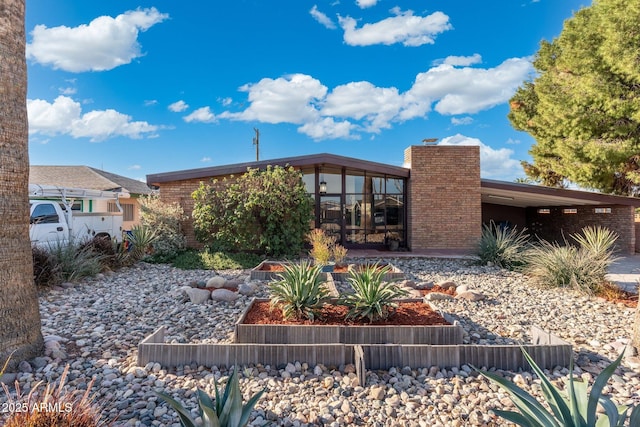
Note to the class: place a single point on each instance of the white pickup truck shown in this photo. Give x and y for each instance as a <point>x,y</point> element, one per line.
<point>53,220</point>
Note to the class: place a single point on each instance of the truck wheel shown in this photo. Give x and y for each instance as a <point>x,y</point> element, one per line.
<point>104,236</point>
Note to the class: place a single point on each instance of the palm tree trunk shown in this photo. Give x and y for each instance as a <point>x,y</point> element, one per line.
<point>19,312</point>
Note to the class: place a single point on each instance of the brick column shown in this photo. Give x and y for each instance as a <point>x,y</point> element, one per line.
<point>444,207</point>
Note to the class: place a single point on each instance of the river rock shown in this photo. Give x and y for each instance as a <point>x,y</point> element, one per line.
<point>197,296</point>
<point>216,282</point>
<point>224,295</point>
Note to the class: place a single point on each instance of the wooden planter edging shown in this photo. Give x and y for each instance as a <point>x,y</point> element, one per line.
<point>549,352</point>
<point>346,334</point>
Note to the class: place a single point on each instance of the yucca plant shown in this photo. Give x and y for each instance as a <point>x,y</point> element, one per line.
<point>599,241</point>
<point>372,297</point>
<point>141,238</point>
<point>299,291</point>
<point>503,246</point>
<point>574,408</point>
<point>73,261</point>
<point>226,411</point>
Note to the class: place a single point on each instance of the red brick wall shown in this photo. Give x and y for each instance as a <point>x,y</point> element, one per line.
<point>558,226</point>
<point>444,197</point>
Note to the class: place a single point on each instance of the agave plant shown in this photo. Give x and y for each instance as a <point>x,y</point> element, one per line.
<point>373,298</point>
<point>299,291</point>
<point>575,408</point>
<point>226,411</point>
<point>140,239</point>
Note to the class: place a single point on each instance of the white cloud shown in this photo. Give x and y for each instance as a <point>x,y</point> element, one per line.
<point>150,102</point>
<point>469,90</point>
<point>67,90</point>
<point>350,109</point>
<point>494,164</point>
<point>512,141</point>
<point>63,117</point>
<point>289,99</point>
<point>178,106</point>
<point>403,28</point>
<point>103,44</point>
<point>322,18</point>
<point>225,101</point>
<point>134,167</point>
<point>205,159</point>
<point>461,121</point>
<point>463,61</point>
<point>363,4</point>
<point>201,115</point>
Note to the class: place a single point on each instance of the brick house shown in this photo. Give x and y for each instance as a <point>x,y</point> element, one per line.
<point>435,202</point>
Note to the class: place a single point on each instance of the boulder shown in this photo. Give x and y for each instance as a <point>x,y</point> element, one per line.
<point>216,282</point>
<point>424,285</point>
<point>470,296</point>
<point>447,284</point>
<point>462,288</point>
<point>197,296</point>
<point>437,296</point>
<point>224,295</point>
<point>233,284</point>
<point>247,289</point>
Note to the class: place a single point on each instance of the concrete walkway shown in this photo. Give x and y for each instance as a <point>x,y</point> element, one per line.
<point>626,272</point>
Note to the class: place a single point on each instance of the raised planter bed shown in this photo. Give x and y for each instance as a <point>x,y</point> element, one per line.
<point>345,334</point>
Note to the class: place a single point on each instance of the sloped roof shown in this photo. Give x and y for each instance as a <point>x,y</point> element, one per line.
<point>85,177</point>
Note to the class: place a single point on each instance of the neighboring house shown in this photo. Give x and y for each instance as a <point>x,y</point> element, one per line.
<point>435,202</point>
<point>95,179</point>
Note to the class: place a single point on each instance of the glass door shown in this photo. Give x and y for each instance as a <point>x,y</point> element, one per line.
<point>331,215</point>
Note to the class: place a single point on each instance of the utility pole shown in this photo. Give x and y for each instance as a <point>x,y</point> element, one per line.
<point>256,142</point>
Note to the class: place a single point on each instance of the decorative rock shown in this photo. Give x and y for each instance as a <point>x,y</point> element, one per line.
<point>197,296</point>
<point>247,289</point>
<point>462,288</point>
<point>470,296</point>
<point>233,284</point>
<point>224,295</point>
<point>437,296</point>
<point>377,393</point>
<point>447,284</point>
<point>216,282</point>
<point>424,285</point>
<point>24,366</point>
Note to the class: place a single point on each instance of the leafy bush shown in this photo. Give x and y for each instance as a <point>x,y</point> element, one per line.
<point>573,408</point>
<point>324,248</point>
<point>106,249</point>
<point>72,409</point>
<point>372,298</point>
<point>165,219</point>
<point>299,292</point>
<point>266,211</point>
<point>502,246</point>
<point>227,411</point>
<point>582,268</point>
<point>210,260</point>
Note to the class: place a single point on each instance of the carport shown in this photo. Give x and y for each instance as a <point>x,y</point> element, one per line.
<point>554,213</point>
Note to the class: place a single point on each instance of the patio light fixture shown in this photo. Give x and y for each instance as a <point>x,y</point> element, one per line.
<point>323,187</point>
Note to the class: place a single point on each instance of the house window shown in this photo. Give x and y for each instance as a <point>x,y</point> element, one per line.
<point>570,211</point>
<point>544,211</point>
<point>602,210</point>
<point>127,210</point>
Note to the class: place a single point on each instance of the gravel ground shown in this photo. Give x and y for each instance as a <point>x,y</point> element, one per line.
<point>95,327</point>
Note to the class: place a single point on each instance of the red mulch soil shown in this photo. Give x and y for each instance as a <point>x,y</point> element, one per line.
<point>407,313</point>
<point>612,293</point>
<point>436,288</point>
<point>278,268</point>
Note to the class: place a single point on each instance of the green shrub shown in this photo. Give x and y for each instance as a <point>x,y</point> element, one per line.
<point>211,260</point>
<point>373,298</point>
<point>502,246</point>
<point>140,240</point>
<point>573,408</point>
<point>299,292</point>
<point>166,220</point>
<point>582,268</point>
<point>226,411</point>
<point>106,249</point>
<point>264,211</point>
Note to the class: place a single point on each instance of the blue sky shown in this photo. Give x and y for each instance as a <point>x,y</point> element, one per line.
<point>158,86</point>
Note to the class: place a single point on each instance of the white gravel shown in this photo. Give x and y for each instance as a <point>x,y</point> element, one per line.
<point>95,327</point>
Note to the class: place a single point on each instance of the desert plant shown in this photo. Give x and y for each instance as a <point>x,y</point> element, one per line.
<point>74,261</point>
<point>581,268</point>
<point>299,291</point>
<point>502,246</point>
<point>211,260</point>
<point>141,238</point>
<point>339,254</point>
<point>322,246</point>
<point>227,411</point>
<point>372,297</point>
<point>107,250</point>
<point>55,406</point>
<point>166,220</point>
<point>46,271</point>
<point>264,211</point>
<point>573,408</point>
